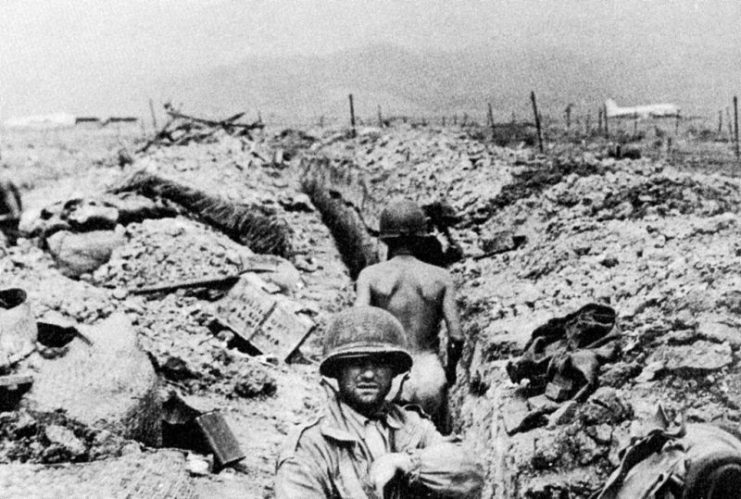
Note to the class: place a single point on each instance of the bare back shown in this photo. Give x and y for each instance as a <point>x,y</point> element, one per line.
<point>411,290</point>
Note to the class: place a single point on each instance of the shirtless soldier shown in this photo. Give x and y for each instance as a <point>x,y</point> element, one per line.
<point>420,296</point>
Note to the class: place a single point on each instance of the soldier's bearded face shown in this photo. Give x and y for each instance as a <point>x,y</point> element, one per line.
<point>364,383</point>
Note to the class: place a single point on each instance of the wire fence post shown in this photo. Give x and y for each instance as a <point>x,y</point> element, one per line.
<point>537,121</point>
<point>352,116</point>
<point>735,125</point>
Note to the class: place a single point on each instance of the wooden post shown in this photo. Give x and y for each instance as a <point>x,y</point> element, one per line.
<point>154,116</point>
<point>607,129</point>
<point>514,117</point>
<point>568,117</point>
<point>676,125</point>
<point>599,120</point>
<point>380,118</point>
<point>588,123</point>
<point>490,116</point>
<point>537,121</point>
<point>730,123</point>
<point>352,116</point>
<point>735,125</point>
<point>443,120</point>
<point>720,122</point>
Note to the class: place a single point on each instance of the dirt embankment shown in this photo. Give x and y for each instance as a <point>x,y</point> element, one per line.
<point>657,244</point>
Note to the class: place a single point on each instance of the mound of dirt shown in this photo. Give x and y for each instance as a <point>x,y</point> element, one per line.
<point>168,251</point>
<point>52,437</point>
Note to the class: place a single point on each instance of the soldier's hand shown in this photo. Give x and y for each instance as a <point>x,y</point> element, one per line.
<point>386,467</point>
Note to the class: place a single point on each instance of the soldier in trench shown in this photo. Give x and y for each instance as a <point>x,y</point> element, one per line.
<point>10,210</point>
<point>363,446</point>
<point>420,295</point>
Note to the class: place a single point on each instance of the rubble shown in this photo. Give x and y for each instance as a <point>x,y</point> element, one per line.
<point>698,358</point>
<point>157,252</point>
<point>52,437</point>
<point>182,129</point>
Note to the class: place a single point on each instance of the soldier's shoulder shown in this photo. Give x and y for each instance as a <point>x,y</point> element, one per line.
<point>375,268</point>
<point>301,436</point>
<point>437,274</point>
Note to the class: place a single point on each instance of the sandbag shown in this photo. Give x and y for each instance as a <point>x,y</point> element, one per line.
<point>18,329</point>
<point>426,385</point>
<point>693,461</point>
<point>110,384</point>
<point>77,254</point>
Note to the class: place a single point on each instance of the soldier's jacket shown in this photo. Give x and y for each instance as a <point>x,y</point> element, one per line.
<point>329,458</point>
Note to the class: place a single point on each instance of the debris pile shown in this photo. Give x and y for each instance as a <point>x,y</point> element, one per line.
<point>51,437</point>
<point>182,129</point>
<point>169,251</point>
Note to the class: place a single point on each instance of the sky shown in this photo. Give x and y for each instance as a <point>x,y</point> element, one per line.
<point>51,49</point>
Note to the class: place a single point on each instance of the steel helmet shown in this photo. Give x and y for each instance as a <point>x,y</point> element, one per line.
<point>364,331</point>
<point>402,219</point>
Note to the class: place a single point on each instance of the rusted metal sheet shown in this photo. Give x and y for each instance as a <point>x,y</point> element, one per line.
<point>260,319</point>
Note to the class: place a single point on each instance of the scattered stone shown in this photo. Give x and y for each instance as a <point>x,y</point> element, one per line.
<point>605,406</point>
<point>587,449</point>
<point>681,337</point>
<point>617,374</point>
<point>601,433</point>
<point>198,465</point>
<point>515,414</point>
<point>649,372</point>
<point>699,357</point>
<point>65,439</point>
<point>563,415</point>
<point>714,329</point>
<point>541,403</point>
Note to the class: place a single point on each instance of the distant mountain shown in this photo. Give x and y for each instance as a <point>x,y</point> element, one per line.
<point>302,88</point>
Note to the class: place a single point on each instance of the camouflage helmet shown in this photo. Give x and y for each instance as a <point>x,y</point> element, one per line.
<point>402,219</point>
<point>361,332</point>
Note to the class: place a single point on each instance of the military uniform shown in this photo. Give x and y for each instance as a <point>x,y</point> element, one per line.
<point>331,457</point>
